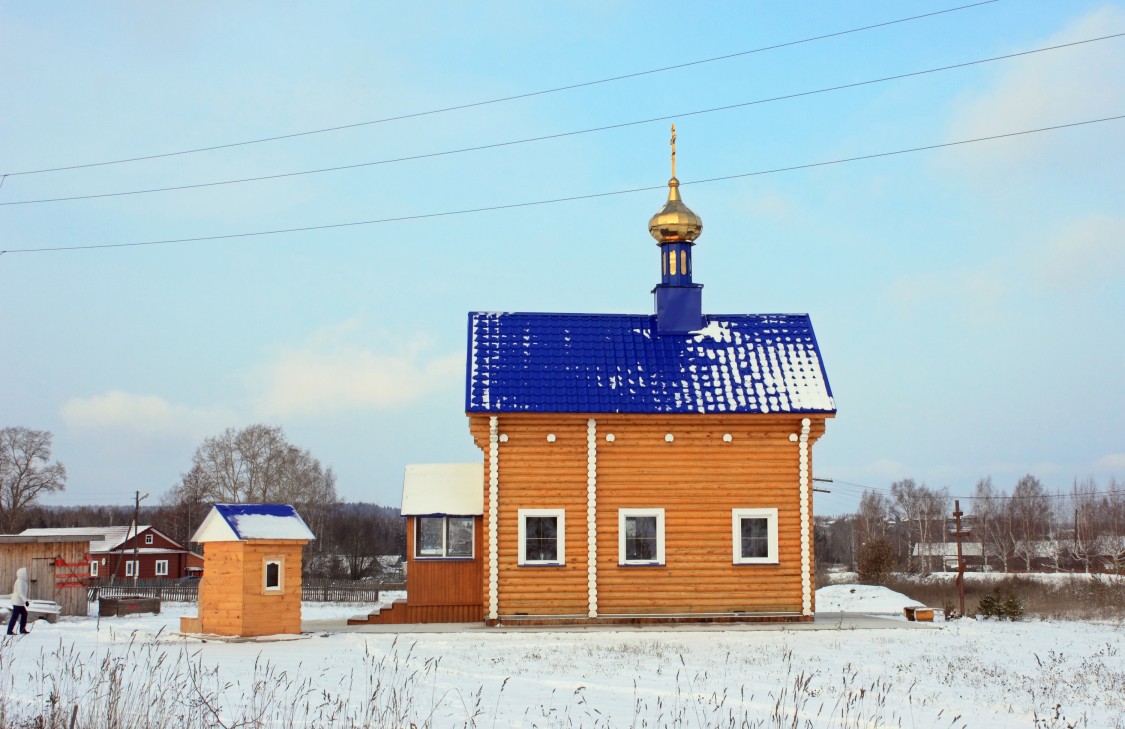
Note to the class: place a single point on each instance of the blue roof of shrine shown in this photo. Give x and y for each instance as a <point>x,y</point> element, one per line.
<point>616,363</point>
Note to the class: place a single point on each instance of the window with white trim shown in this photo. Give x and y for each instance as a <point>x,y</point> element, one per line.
<point>448,537</point>
<point>130,568</point>
<point>93,568</point>
<point>148,539</point>
<point>754,533</point>
<point>273,574</point>
<point>161,568</point>
<point>542,537</point>
<point>640,536</point>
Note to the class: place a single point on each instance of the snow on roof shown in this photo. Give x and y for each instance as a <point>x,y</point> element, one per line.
<point>616,363</point>
<point>443,488</point>
<point>240,522</point>
<point>104,538</point>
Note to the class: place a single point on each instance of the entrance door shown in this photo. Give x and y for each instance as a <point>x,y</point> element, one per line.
<point>42,579</point>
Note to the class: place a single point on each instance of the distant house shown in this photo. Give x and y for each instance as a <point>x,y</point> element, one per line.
<point>111,554</point>
<point>251,582</point>
<point>942,556</point>
<point>635,467</point>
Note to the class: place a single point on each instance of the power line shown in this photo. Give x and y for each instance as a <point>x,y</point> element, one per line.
<point>572,198</point>
<point>1109,492</point>
<point>504,99</point>
<point>559,135</point>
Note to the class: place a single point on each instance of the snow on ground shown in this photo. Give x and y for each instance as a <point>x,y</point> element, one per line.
<point>868,599</point>
<point>962,673</point>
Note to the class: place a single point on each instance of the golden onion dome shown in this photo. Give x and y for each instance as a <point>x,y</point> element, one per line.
<point>675,223</point>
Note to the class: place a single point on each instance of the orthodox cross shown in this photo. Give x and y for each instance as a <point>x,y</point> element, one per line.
<point>673,143</point>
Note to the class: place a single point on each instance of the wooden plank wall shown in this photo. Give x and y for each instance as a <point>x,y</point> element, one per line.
<point>445,581</point>
<point>39,559</point>
<point>231,600</point>
<point>698,478</point>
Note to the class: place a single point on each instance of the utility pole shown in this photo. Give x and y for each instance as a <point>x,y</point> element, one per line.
<point>136,540</point>
<point>957,514</point>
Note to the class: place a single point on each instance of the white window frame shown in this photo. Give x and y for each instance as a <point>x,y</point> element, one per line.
<point>148,538</point>
<point>770,515</point>
<point>559,514</point>
<point>161,568</point>
<point>280,562</point>
<point>93,568</point>
<point>445,536</point>
<point>131,567</point>
<point>622,515</point>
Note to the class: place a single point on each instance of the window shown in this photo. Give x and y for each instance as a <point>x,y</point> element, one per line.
<point>640,536</point>
<point>754,532</point>
<point>148,539</point>
<point>161,568</point>
<point>273,574</point>
<point>93,568</point>
<point>542,537</point>
<point>130,568</point>
<point>443,536</point>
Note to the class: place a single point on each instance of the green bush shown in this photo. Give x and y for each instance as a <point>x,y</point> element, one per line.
<point>1005,606</point>
<point>875,561</point>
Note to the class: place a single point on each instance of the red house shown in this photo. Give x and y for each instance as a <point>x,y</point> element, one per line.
<point>157,556</point>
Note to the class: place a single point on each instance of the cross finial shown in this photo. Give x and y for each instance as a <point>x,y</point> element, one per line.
<point>673,143</point>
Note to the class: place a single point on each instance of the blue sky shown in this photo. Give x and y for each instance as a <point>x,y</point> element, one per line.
<point>968,301</point>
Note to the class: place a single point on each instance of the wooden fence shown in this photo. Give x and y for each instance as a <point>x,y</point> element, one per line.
<point>311,590</point>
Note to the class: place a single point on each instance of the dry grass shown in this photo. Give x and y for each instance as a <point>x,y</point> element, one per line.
<point>1074,597</point>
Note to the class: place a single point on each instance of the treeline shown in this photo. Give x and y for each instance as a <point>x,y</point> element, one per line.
<point>351,537</point>
<point>911,527</point>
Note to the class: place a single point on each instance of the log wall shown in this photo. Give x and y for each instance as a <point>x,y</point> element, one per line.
<point>698,478</point>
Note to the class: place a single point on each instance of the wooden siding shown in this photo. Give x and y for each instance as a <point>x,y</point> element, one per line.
<point>401,613</point>
<point>231,598</point>
<point>698,478</point>
<point>433,582</point>
<point>65,584</point>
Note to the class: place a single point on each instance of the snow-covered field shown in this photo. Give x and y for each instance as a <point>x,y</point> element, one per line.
<point>962,673</point>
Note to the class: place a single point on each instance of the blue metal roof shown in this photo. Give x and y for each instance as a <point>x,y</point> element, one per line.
<point>616,363</point>
<point>244,520</point>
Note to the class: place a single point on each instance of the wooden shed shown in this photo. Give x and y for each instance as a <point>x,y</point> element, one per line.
<point>443,504</point>
<point>58,567</point>
<point>645,467</point>
<point>251,583</point>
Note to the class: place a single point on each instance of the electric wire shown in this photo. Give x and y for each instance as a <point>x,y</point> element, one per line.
<point>559,135</point>
<point>552,201</point>
<point>504,99</point>
<point>998,497</point>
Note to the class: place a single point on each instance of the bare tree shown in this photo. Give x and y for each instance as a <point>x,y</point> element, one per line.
<point>1030,509</point>
<point>993,522</point>
<point>923,510</point>
<point>26,472</point>
<point>871,521</point>
<point>1086,521</point>
<point>257,465</point>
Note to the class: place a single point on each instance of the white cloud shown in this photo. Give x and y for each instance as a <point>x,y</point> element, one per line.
<point>149,414</point>
<point>1087,252</point>
<point>979,290</point>
<point>330,374</point>
<point>1055,87</point>
<point>1112,464</point>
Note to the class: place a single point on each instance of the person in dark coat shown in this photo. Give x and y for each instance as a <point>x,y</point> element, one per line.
<point>20,603</point>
